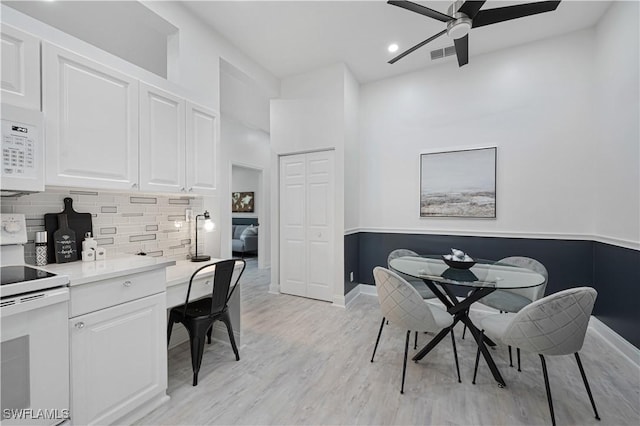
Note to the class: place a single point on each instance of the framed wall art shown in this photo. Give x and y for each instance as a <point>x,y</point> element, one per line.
<point>242,202</point>
<point>458,183</point>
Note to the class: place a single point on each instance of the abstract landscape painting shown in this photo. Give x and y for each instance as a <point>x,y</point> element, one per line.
<point>458,183</point>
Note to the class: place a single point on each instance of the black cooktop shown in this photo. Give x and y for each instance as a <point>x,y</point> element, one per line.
<point>21,273</point>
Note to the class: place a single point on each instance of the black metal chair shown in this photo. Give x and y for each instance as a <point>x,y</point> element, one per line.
<point>198,316</point>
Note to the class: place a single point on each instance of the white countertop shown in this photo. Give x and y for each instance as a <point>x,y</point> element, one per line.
<point>86,272</point>
<point>183,269</point>
<point>178,272</point>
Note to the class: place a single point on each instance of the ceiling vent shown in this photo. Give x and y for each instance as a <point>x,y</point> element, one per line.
<point>442,53</point>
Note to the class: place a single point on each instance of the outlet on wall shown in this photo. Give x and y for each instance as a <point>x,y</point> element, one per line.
<point>351,276</point>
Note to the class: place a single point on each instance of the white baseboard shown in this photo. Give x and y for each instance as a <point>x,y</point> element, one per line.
<point>613,339</point>
<point>617,342</point>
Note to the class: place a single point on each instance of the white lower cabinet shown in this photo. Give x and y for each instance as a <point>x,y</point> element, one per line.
<point>118,359</point>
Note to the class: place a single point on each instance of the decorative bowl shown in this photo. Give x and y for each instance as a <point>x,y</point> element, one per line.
<point>457,264</point>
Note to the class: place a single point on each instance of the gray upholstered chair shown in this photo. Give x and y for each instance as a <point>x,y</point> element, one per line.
<point>418,284</point>
<point>401,304</point>
<point>553,325</point>
<point>513,300</point>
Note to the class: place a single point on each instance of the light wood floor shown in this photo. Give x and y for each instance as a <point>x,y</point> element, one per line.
<point>307,362</point>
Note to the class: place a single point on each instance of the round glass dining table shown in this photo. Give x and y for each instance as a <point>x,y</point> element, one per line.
<point>483,278</point>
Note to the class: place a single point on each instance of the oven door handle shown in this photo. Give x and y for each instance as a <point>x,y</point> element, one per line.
<point>26,302</point>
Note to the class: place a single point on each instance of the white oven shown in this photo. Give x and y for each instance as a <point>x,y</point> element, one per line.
<point>34,336</point>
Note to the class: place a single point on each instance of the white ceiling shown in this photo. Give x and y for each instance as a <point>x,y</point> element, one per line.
<point>292,37</point>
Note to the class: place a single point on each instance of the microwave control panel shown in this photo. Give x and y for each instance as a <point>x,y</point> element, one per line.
<point>18,149</point>
<point>22,151</point>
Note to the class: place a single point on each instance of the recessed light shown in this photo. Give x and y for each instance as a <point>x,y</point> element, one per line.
<point>392,48</point>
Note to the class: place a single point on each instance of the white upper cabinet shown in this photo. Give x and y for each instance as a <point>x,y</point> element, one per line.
<point>20,68</point>
<point>162,141</point>
<point>91,122</point>
<point>202,144</point>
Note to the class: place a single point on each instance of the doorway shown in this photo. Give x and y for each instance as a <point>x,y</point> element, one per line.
<point>248,210</point>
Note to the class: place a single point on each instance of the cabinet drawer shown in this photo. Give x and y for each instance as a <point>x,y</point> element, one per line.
<point>114,291</point>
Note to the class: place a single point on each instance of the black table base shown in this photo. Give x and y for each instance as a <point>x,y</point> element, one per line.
<point>460,312</point>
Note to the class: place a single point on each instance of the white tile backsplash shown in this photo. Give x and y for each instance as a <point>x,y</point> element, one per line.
<point>142,222</point>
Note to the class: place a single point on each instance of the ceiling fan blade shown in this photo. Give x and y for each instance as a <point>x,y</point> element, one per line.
<point>507,13</point>
<point>471,8</point>
<point>416,47</point>
<point>414,7</point>
<point>462,50</point>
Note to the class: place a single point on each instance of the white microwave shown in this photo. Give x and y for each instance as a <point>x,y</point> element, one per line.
<point>22,150</point>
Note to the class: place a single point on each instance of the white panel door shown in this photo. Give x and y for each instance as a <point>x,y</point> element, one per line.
<point>91,127</point>
<point>118,359</point>
<point>20,68</point>
<point>202,146</point>
<point>162,141</point>
<point>320,213</point>
<point>307,224</point>
<point>293,243</point>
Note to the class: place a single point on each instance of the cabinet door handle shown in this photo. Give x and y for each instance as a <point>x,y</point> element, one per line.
<point>79,325</point>
<point>134,185</point>
<point>190,189</point>
<point>182,189</point>
<point>127,283</point>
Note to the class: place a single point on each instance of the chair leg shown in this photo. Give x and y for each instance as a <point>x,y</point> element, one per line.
<point>209,334</point>
<point>475,369</point>
<point>197,348</point>
<point>586,385</point>
<point>510,357</point>
<point>464,331</point>
<point>548,388</point>
<point>518,353</point>
<point>415,341</point>
<point>455,354</point>
<point>404,365</point>
<point>227,321</point>
<point>169,329</point>
<point>378,339</point>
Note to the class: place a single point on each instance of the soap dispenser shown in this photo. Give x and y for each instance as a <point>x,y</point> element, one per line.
<point>89,244</point>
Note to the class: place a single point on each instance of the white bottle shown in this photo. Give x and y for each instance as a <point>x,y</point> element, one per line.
<point>89,243</point>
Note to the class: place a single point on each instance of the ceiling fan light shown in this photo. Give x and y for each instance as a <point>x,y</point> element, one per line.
<point>458,28</point>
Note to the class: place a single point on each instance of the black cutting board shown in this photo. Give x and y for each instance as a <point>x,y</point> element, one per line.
<point>80,223</point>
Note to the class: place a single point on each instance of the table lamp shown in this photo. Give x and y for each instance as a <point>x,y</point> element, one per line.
<point>208,226</point>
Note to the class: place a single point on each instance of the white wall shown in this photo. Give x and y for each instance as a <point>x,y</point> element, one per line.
<point>351,153</point>
<point>244,179</point>
<point>250,148</point>
<point>311,116</point>
<point>617,156</point>
<point>534,102</point>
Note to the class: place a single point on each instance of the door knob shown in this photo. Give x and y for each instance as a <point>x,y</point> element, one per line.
<point>79,325</point>
<point>127,283</point>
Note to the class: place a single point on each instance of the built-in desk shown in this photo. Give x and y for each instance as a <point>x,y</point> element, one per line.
<point>177,283</point>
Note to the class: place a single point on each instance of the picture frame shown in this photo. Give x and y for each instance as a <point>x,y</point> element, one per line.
<point>459,183</point>
<point>242,202</point>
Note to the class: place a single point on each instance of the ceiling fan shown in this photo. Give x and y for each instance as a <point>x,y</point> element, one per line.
<point>464,15</point>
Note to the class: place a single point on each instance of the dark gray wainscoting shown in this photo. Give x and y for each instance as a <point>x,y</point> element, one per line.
<point>613,271</point>
<point>351,261</point>
<point>616,272</point>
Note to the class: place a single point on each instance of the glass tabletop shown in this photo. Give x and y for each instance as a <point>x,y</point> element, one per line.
<point>485,273</point>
